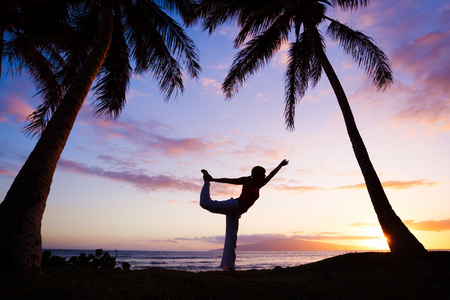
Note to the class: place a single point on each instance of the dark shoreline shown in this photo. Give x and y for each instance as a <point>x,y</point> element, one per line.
<point>369,275</point>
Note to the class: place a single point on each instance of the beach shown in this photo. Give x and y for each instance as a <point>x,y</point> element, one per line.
<point>348,276</point>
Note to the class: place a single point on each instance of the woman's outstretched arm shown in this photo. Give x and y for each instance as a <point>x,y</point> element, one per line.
<point>239,181</point>
<point>283,163</point>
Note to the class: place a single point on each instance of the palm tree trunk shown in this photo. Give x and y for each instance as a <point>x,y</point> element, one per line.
<point>22,209</point>
<point>398,236</point>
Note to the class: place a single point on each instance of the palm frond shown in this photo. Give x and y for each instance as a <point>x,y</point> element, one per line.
<point>259,21</point>
<point>185,8</point>
<point>42,62</point>
<point>159,29</point>
<point>37,120</point>
<point>85,24</point>
<point>114,75</point>
<point>314,66</point>
<point>218,12</point>
<point>350,4</point>
<point>295,85</point>
<point>363,51</point>
<point>255,54</point>
<point>302,70</point>
<point>150,52</point>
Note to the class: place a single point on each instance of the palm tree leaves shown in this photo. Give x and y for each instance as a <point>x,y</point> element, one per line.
<point>303,69</point>
<point>42,62</point>
<point>363,51</point>
<point>35,34</point>
<point>154,37</point>
<point>175,38</point>
<point>265,24</point>
<point>142,33</point>
<point>255,54</point>
<point>257,22</point>
<point>114,76</point>
<point>185,8</point>
<point>217,12</point>
<point>349,4</point>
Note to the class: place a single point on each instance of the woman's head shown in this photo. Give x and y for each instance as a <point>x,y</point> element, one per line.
<point>258,172</point>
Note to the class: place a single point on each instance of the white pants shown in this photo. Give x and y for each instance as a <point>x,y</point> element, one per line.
<point>229,208</point>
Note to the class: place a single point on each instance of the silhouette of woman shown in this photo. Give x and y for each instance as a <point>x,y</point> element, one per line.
<point>234,208</point>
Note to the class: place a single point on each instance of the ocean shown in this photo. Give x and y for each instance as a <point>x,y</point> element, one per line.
<point>198,261</point>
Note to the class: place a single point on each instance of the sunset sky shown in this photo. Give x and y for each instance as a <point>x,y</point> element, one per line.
<point>134,184</point>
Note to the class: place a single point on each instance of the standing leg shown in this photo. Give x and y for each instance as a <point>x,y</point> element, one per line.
<point>229,248</point>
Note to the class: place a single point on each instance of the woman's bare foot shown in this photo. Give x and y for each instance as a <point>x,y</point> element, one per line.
<point>206,176</point>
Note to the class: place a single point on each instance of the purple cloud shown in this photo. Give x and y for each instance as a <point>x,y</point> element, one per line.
<point>149,136</point>
<point>138,180</point>
<point>421,64</point>
<point>14,107</point>
<point>245,239</point>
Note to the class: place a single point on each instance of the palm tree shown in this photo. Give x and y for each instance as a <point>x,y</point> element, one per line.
<point>264,26</point>
<point>127,29</point>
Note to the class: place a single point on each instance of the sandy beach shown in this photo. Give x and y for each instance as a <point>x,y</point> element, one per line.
<point>350,276</point>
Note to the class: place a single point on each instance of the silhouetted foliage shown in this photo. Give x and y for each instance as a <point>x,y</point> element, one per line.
<point>100,260</point>
<point>125,266</point>
<point>54,261</point>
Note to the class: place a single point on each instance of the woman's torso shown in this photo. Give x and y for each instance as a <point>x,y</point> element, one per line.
<point>249,195</point>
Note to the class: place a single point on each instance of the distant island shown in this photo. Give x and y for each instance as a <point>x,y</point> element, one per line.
<point>295,245</point>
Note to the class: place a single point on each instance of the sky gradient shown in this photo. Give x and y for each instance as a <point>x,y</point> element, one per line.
<point>134,184</point>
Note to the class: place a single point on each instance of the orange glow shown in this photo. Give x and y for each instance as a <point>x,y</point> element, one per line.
<point>379,242</point>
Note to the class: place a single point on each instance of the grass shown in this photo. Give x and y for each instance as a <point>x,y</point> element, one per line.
<point>350,276</point>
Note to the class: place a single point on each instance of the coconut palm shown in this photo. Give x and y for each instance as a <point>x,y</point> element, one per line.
<point>33,34</point>
<point>264,26</point>
<point>116,32</point>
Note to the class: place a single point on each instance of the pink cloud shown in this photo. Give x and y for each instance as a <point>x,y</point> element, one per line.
<point>416,38</point>
<point>432,225</point>
<point>6,172</point>
<point>393,184</point>
<point>423,55</point>
<point>134,178</point>
<point>300,189</point>
<point>426,60</point>
<point>150,135</point>
<point>421,93</point>
<point>6,168</point>
<point>211,85</point>
<point>367,20</point>
<point>176,147</point>
<point>13,108</point>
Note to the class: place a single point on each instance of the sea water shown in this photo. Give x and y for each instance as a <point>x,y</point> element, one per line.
<point>196,261</point>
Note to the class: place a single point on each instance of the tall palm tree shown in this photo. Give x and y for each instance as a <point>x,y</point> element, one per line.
<point>264,26</point>
<point>127,29</point>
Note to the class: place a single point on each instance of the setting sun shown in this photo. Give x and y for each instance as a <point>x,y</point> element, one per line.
<point>376,243</point>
